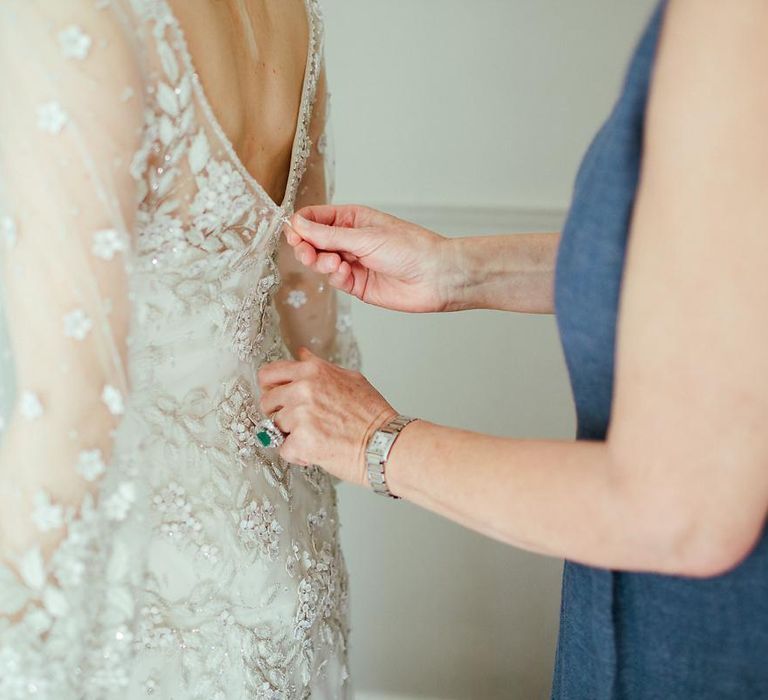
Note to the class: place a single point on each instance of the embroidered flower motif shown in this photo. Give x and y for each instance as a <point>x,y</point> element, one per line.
<point>296,298</point>
<point>239,417</point>
<point>316,520</point>
<point>154,632</point>
<point>90,464</point>
<point>51,117</point>
<point>117,506</point>
<point>30,405</point>
<point>344,323</point>
<point>8,230</point>
<point>113,399</point>
<point>172,502</point>
<point>108,242</point>
<point>158,232</point>
<point>46,515</point>
<point>178,522</point>
<point>259,528</point>
<point>77,325</point>
<point>222,198</point>
<point>210,552</point>
<point>320,590</point>
<point>74,43</point>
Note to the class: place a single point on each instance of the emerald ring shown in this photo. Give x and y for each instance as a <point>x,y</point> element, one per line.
<point>268,434</point>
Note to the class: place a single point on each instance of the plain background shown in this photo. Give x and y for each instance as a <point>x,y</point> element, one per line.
<point>469,117</point>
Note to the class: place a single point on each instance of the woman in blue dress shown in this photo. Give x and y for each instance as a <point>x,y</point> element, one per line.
<point>660,289</point>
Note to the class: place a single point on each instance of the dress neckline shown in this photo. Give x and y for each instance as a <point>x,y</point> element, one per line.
<point>301,122</point>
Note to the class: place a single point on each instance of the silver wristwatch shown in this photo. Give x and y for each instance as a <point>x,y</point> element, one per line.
<point>377,453</point>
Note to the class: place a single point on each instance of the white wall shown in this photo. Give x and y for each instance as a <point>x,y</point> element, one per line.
<point>471,118</point>
<point>486,102</point>
<point>438,611</point>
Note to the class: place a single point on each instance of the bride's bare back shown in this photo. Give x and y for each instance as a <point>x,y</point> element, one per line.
<point>251,56</point>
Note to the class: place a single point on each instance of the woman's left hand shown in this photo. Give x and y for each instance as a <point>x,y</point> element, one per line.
<point>328,413</point>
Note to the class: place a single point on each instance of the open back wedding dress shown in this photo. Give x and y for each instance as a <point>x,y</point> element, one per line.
<point>150,546</point>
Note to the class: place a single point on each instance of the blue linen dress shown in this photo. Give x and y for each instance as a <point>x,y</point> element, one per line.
<point>629,636</point>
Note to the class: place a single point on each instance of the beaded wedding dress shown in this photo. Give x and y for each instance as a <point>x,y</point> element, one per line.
<point>150,546</point>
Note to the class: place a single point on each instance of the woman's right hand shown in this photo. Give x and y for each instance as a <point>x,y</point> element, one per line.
<point>376,257</point>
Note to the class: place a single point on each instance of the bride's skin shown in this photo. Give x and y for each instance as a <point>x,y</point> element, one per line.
<point>251,56</point>
<point>680,485</point>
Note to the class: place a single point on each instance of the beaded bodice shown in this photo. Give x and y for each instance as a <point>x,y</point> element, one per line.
<point>212,567</point>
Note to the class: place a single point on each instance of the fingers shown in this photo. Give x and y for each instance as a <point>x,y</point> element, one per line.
<point>342,278</point>
<point>288,450</point>
<point>279,372</point>
<point>327,263</point>
<point>279,418</point>
<point>346,236</point>
<point>291,236</point>
<point>290,453</point>
<point>275,398</point>
<point>322,236</point>
<point>305,253</point>
<point>288,371</point>
<point>348,216</point>
<point>322,263</point>
<point>306,355</point>
<point>351,278</point>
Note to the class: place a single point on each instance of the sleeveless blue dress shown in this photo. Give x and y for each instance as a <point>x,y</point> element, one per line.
<point>626,636</point>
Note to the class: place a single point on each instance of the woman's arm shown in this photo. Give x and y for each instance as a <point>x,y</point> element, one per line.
<point>579,501</point>
<point>508,273</point>
<point>389,262</point>
<point>680,486</point>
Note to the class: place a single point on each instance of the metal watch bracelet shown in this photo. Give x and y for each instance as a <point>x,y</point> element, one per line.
<point>377,454</point>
